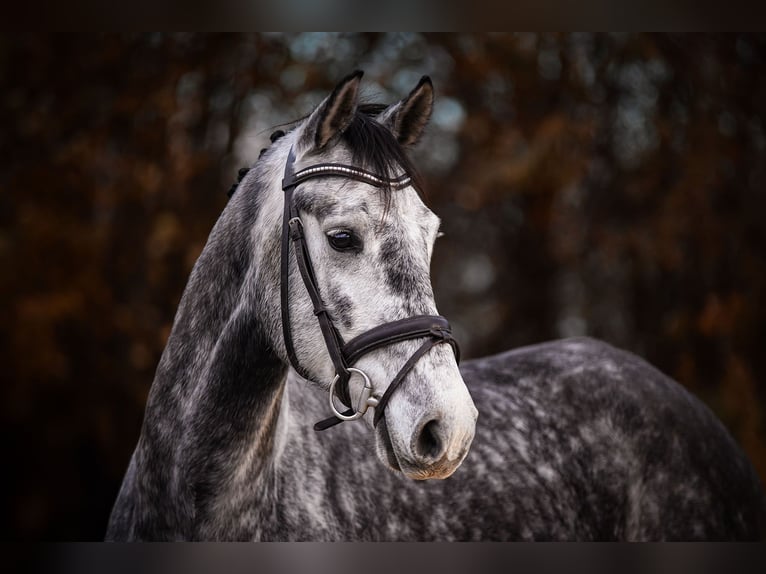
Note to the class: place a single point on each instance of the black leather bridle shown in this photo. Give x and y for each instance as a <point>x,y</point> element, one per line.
<point>434,328</point>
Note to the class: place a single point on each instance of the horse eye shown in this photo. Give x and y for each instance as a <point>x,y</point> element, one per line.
<point>343,240</point>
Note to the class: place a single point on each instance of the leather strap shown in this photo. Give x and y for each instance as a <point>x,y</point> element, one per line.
<point>284,284</point>
<point>332,337</point>
<point>345,171</point>
<point>442,337</point>
<point>292,230</point>
<point>398,331</point>
<point>399,378</point>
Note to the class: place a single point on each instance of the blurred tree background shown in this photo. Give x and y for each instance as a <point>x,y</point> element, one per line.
<point>603,185</point>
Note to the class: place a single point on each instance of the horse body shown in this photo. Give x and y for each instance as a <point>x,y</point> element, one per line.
<point>576,440</point>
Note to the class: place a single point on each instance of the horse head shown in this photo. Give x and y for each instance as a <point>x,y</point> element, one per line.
<point>357,241</point>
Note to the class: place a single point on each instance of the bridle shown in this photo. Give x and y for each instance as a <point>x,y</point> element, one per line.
<point>434,328</point>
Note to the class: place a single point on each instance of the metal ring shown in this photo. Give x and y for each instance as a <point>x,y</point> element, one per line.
<point>366,398</point>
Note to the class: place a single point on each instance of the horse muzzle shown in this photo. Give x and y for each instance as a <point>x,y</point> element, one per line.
<point>433,448</point>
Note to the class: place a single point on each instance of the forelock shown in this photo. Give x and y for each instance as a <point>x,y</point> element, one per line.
<point>374,147</point>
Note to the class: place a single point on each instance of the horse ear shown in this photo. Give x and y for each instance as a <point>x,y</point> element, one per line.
<point>408,118</point>
<point>333,115</point>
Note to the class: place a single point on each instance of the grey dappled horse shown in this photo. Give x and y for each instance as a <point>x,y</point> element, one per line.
<point>574,440</point>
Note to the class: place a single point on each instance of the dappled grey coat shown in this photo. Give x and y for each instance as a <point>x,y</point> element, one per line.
<point>575,440</point>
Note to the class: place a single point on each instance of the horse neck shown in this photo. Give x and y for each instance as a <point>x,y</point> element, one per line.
<point>213,414</point>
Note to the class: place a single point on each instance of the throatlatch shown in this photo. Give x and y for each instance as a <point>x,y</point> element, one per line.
<point>434,328</point>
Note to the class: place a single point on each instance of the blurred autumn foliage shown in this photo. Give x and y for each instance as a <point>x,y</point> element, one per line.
<point>608,185</point>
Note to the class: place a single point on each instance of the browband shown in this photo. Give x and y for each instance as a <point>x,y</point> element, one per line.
<point>348,172</point>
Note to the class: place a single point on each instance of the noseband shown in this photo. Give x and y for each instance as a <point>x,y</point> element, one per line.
<point>434,328</point>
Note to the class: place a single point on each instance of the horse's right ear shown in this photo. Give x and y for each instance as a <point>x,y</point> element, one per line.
<point>407,119</point>
<point>332,116</point>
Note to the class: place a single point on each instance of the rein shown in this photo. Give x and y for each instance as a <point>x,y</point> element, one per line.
<point>434,328</point>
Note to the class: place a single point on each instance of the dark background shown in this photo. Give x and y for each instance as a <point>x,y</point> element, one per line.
<point>608,185</point>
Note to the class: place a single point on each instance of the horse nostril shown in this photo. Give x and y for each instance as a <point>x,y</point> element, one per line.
<point>429,443</point>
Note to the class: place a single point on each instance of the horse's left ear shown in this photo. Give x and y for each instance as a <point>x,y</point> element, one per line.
<point>333,115</point>
<point>408,118</point>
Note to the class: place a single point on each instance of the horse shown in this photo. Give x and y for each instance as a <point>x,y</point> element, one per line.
<point>312,297</point>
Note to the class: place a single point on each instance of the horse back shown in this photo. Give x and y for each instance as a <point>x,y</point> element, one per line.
<point>620,450</point>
